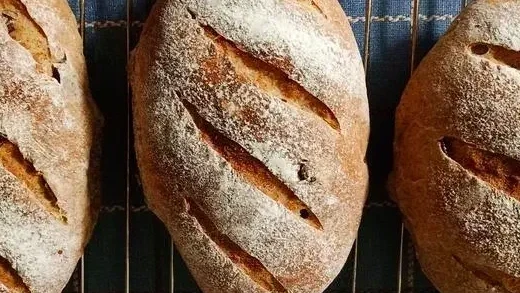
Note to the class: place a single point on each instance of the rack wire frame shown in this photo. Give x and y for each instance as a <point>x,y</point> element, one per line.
<point>79,275</point>
<point>129,6</point>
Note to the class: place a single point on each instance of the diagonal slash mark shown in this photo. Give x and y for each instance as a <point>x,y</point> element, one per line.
<point>269,78</point>
<point>499,171</point>
<point>492,277</point>
<point>10,278</point>
<point>23,29</point>
<point>497,54</point>
<point>14,162</point>
<point>252,169</point>
<point>247,263</point>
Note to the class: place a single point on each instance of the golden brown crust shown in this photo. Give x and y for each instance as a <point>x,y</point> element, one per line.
<point>457,153</point>
<point>12,160</point>
<point>267,77</point>
<point>10,278</point>
<point>49,185</point>
<point>500,171</point>
<point>261,124</point>
<point>26,31</point>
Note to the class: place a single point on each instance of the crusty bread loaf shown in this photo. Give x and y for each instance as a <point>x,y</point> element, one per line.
<point>251,126</point>
<point>457,153</point>
<point>48,156</point>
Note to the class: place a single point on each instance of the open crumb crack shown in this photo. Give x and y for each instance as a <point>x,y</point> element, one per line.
<point>10,279</point>
<point>252,169</point>
<point>247,263</point>
<point>269,78</point>
<point>500,171</point>
<point>23,29</point>
<point>14,162</point>
<point>497,54</point>
<point>492,277</point>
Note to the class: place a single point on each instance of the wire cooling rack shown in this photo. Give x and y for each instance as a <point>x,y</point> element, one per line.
<point>131,251</point>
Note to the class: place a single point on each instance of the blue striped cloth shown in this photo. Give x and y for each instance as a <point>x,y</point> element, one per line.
<point>150,247</point>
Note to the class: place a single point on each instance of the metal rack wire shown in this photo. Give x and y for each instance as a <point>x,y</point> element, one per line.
<point>414,15</point>
<point>81,273</point>
<point>129,5</point>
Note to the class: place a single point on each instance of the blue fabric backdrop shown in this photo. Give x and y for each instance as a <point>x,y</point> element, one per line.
<point>150,249</point>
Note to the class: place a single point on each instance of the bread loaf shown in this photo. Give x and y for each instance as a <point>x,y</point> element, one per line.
<point>251,126</point>
<point>457,153</point>
<point>48,154</point>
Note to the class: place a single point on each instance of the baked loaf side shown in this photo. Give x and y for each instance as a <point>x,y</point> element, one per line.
<point>251,125</point>
<point>48,158</point>
<point>457,153</point>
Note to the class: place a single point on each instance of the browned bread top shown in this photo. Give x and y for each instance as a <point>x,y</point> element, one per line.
<point>48,158</point>
<point>251,124</point>
<point>457,152</point>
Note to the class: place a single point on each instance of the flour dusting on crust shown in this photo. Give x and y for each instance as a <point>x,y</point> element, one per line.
<point>182,59</point>
<point>53,123</point>
<point>458,219</point>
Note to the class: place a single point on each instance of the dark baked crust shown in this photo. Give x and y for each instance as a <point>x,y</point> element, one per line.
<point>251,135</point>
<point>457,153</point>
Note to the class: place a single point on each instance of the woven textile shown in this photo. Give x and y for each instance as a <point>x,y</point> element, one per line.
<point>150,247</point>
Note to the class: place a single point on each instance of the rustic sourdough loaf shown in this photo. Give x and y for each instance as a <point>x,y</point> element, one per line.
<point>251,125</point>
<point>48,156</point>
<point>457,153</point>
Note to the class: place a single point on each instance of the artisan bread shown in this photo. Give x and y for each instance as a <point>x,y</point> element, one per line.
<point>251,126</point>
<point>48,150</point>
<point>457,153</point>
